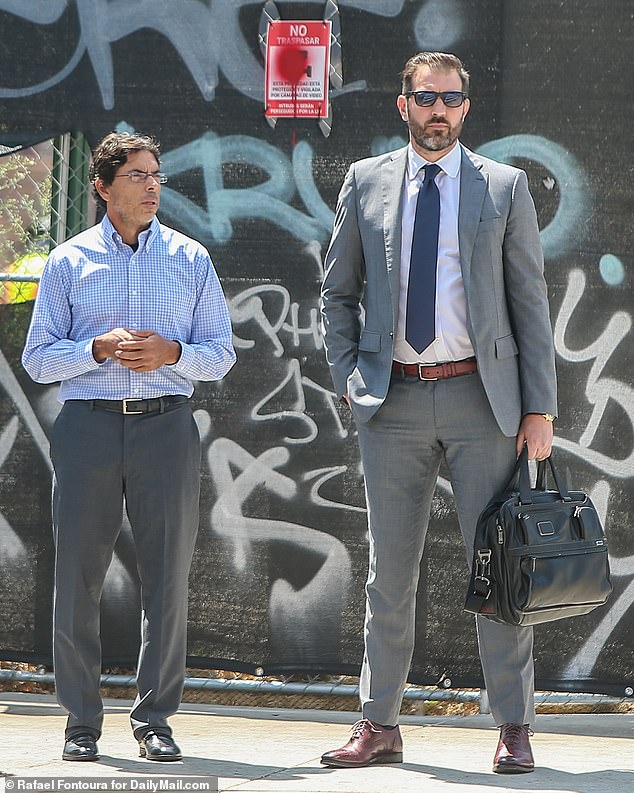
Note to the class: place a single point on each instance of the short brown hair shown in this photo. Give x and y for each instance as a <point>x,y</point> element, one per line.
<point>441,61</point>
<point>113,151</point>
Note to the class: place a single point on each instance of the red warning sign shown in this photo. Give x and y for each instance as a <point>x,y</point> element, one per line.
<point>297,67</point>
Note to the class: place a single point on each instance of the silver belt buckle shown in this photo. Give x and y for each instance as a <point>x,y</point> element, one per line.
<point>420,373</point>
<point>127,411</point>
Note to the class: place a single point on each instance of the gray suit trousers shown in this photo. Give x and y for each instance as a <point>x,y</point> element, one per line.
<point>153,462</point>
<point>402,445</point>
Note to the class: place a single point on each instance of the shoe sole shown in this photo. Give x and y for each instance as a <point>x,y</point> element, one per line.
<point>512,769</point>
<point>394,757</point>
<point>160,758</point>
<point>80,758</point>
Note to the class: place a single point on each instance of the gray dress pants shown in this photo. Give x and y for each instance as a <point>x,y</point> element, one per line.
<point>420,423</point>
<point>152,461</point>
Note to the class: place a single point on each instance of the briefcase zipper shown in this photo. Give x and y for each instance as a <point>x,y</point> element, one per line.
<point>559,549</point>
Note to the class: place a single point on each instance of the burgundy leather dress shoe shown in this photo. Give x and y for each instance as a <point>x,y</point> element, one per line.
<point>514,755</point>
<point>369,744</point>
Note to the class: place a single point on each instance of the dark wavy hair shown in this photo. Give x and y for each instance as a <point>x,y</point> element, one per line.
<point>113,151</point>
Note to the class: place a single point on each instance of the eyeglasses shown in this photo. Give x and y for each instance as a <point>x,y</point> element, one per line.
<point>140,177</point>
<point>428,98</point>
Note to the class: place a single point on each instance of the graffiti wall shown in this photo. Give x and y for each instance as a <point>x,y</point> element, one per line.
<point>278,575</point>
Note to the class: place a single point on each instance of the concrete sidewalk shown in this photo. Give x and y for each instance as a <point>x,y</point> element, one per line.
<point>277,751</point>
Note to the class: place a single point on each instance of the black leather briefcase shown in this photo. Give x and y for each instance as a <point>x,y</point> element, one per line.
<point>539,555</point>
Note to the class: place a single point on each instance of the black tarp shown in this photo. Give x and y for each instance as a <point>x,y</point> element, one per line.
<point>278,575</point>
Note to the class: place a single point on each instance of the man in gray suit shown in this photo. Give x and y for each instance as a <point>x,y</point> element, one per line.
<point>469,380</point>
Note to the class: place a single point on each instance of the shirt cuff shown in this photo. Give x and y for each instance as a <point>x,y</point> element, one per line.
<point>185,361</point>
<point>90,358</point>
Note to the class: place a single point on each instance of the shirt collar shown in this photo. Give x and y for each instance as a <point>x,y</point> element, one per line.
<point>112,236</point>
<point>450,163</point>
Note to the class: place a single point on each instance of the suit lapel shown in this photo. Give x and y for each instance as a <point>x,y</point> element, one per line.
<point>473,186</point>
<point>392,173</point>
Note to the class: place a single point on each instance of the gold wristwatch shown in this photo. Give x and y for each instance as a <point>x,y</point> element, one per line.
<point>548,416</point>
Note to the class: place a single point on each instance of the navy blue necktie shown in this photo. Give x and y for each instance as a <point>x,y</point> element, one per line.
<point>420,324</point>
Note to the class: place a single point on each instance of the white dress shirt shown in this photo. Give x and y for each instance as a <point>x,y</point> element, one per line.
<point>452,341</point>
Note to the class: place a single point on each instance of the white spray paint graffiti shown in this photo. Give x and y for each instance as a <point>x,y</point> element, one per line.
<point>198,33</point>
<point>11,546</point>
<point>306,620</point>
<point>599,391</point>
<point>267,315</point>
<point>296,383</point>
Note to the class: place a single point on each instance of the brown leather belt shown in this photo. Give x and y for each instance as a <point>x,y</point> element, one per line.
<point>436,371</point>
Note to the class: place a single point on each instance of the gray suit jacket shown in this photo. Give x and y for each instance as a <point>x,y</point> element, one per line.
<point>502,268</point>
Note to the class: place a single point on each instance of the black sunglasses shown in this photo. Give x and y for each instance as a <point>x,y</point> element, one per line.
<point>428,98</point>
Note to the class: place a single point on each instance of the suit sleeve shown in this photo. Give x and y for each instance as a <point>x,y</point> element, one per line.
<point>343,287</point>
<point>527,298</point>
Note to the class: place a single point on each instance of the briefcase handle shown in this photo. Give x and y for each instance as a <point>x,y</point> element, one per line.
<point>525,491</point>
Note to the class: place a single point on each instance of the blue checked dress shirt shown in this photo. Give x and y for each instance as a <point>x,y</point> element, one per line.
<point>94,283</point>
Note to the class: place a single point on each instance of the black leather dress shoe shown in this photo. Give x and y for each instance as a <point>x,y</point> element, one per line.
<point>154,746</point>
<point>81,747</point>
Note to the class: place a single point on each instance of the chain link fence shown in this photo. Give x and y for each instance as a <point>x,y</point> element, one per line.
<point>44,199</point>
<point>324,692</point>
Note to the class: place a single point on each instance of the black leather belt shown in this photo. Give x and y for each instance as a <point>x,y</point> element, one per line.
<point>435,371</point>
<point>135,407</point>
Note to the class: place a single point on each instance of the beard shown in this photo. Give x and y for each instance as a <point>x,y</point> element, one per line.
<point>434,140</point>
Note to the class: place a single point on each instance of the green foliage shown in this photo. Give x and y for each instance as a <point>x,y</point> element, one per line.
<point>25,209</point>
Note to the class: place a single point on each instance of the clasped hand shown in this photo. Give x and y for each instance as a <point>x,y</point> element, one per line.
<point>140,350</point>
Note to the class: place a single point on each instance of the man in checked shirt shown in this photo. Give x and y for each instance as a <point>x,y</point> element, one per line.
<point>128,314</point>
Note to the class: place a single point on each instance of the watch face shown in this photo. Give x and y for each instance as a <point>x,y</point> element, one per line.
<point>548,416</point>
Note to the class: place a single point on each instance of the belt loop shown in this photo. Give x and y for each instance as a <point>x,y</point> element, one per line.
<point>161,405</point>
<point>92,404</point>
